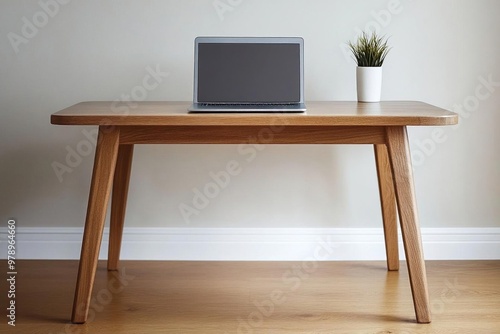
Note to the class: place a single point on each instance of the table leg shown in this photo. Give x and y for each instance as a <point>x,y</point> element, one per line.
<point>399,156</point>
<point>104,168</point>
<point>119,203</point>
<point>388,204</point>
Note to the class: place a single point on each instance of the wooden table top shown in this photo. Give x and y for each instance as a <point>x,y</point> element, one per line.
<point>393,113</point>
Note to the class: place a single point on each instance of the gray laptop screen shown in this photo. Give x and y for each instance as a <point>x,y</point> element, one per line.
<point>248,73</point>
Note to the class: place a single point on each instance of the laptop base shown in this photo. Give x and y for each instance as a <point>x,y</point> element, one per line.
<point>228,108</point>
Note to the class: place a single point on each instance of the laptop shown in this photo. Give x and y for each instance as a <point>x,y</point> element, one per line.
<point>249,74</point>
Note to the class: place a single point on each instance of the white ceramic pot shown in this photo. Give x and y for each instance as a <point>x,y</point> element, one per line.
<point>369,83</point>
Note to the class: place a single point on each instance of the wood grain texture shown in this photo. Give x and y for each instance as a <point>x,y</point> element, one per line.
<point>102,175</point>
<point>391,113</point>
<point>252,135</point>
<point>119,203</point>
<point>399,155</point>
<point>196,297</point>
<point>388,205</point>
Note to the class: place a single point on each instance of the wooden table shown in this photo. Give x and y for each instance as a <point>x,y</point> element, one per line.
<point>123,124</point>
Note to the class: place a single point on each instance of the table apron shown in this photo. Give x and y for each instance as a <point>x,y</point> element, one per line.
<point>278,134</point>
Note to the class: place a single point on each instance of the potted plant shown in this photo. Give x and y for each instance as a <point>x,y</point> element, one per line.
<point>369,52</point>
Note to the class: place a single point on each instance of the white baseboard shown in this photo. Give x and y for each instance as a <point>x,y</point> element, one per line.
<point>256,244</point>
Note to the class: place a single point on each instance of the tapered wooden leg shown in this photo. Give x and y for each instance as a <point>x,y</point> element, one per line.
<point>388,204</point>
<point>399,156</point>
<point>119,203</point>
<point>104,168</point>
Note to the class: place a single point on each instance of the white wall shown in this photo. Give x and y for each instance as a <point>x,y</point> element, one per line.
<point>99,50</point>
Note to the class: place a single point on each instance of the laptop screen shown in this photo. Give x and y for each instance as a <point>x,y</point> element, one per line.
<point>249,73</point>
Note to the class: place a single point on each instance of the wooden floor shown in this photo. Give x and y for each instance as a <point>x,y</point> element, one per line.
<point>256,297</point>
